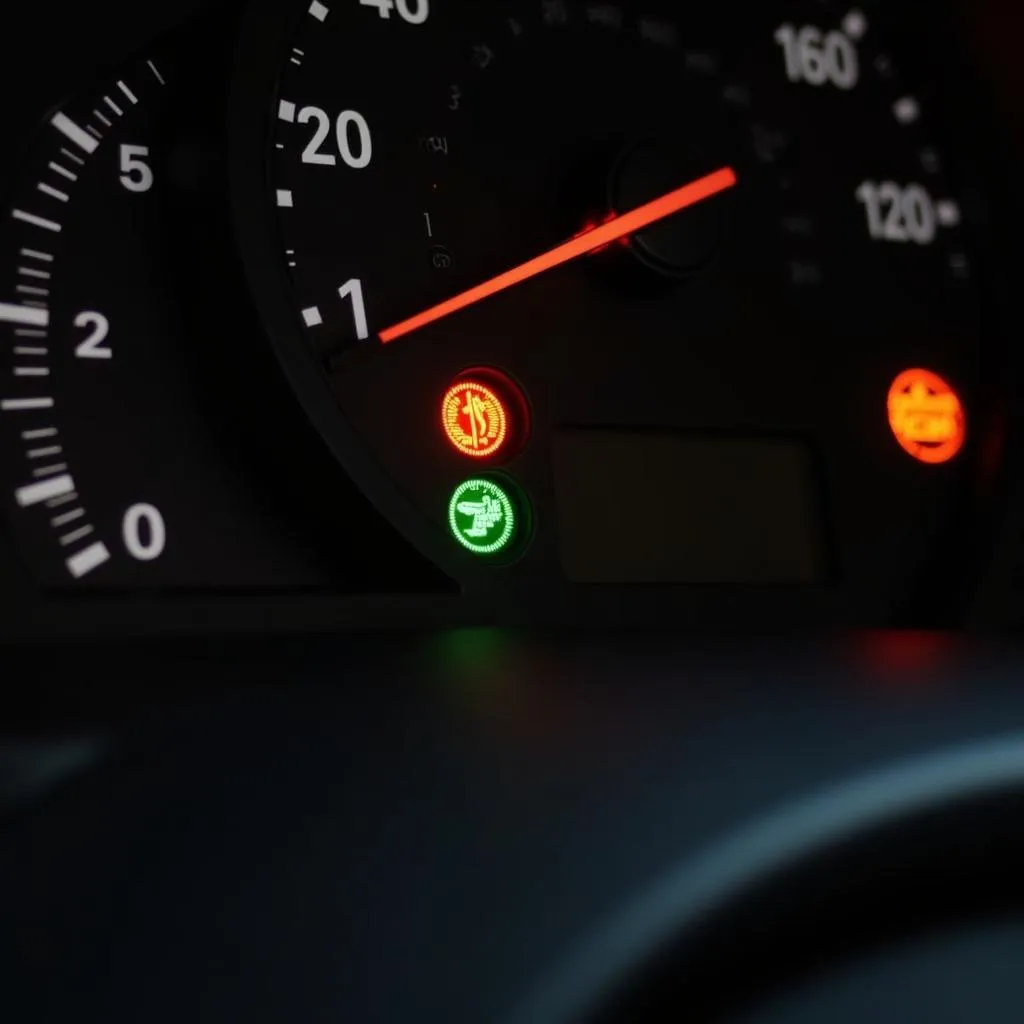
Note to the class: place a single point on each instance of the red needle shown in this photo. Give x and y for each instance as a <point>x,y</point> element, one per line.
<point>628,224</point>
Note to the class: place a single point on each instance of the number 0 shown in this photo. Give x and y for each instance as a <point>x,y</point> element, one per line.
<point>144,532</point>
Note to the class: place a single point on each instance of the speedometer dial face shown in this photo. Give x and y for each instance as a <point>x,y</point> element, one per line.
<point>682,253</point>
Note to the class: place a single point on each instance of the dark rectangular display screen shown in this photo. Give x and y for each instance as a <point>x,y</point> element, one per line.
<point>655,508</point>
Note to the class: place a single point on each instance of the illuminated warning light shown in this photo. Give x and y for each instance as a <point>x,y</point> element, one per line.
<point>483,517</point>
<point>484,413</point>
<point>926,416</point>
<point>475,419</point>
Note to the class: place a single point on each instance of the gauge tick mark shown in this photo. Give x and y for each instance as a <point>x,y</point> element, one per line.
<point>70,130</point>
<point>67,517</point>
<point>54,193</point>
<point>907,110</point>
<point>80,534</point>
<point>62,171</point>
<point>44,490</point>
<point>855,25</point>
<point>64,499</point>
<point>23,315</point>
<point>88,559</point>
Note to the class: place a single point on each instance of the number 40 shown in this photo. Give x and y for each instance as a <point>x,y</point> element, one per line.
<point>413,11</point>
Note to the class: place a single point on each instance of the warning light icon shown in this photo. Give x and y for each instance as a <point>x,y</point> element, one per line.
<point>926,416</point>
<point>475,418</point>
<point>482,516</point>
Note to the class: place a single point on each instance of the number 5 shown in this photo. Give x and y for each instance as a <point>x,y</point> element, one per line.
<point>137,176</point>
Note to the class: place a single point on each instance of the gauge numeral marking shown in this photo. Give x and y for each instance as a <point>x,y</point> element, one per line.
<point>898,214</point>
<point>99,327</point>
<point>136,174</point>
<point>144,532</point>
<point>353,290</point>
<point>415,12</point>
<point>818,58</point>
<point>352,135</point>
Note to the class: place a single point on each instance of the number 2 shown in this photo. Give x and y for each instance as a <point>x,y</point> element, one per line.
<point>92,347</point>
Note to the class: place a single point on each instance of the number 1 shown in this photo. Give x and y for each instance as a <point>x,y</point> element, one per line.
<point>354,290</point>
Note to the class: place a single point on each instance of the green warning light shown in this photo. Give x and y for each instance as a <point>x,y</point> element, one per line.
<point>482,517</point>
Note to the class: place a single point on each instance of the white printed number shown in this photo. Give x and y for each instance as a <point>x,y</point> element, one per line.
<point>136,174</point>
<point>413,11</point>
<point>898,213</point>
<point>98,327</point>
<point>818,58</point>
<point>144,532</point>
<point>354,290</point>
<point>352,135</point>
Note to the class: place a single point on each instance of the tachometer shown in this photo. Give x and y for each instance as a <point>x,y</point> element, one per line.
<point>681,255</point>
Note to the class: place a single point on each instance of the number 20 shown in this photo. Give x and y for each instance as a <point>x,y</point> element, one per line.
<point>355,156</point>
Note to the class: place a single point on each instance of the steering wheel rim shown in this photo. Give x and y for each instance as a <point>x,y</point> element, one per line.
<point>951,807</point>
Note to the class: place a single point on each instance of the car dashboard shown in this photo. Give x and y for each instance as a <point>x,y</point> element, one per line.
<point>510,511</point>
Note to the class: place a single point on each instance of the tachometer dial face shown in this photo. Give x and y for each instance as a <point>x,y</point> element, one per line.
<point>700,243</point>
<point>126,462</point>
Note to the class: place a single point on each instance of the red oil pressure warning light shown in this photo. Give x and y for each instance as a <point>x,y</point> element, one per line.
<point>926,416</point>
<point>483,414</point>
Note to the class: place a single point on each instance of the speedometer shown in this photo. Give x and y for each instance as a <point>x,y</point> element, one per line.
<point>619,308</point>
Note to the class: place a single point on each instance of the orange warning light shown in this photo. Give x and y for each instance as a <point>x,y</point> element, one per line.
<point>475,419</point>
<point>926,416</point>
